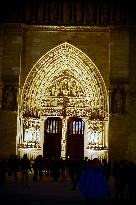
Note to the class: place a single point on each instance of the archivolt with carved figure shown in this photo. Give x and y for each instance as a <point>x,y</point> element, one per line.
<point>64,83</point>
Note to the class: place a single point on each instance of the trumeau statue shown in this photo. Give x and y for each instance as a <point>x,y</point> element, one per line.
<point>118,101</point>
<point>9,97</point>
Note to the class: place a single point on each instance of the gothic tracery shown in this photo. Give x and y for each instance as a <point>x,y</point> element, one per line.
<point>65,82</point>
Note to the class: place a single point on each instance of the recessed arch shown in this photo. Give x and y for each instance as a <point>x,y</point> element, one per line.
<point>61,62</point>
<point>65,82</point>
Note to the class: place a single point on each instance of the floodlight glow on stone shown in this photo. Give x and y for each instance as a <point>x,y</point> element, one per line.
<point>64,78</point>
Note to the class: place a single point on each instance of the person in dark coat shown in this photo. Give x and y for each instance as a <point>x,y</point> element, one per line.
<point>3,170</point>
<point>15,167</point>
<point>55,170</point>
<point>131,180</point>
<point>25,167</point>
<point>93,183</point>
<point>35,169</point>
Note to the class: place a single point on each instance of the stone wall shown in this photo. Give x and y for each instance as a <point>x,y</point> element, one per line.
<point>112,51</point>
<point>119,75</point>
<point>37,43</point>
<point>8,131</point>
<point>10,49</point>
<point>132,97</point>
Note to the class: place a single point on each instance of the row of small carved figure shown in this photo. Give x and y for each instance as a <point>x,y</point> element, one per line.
<point>28,145</point>
<point>96,147</point>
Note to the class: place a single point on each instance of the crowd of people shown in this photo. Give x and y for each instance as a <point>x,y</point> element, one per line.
<point>90,176</point>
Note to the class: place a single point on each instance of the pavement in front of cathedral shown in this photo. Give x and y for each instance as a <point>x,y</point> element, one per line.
<point>43,192</point>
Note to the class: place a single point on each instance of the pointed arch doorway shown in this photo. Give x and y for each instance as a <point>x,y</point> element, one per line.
<point>64,83</point>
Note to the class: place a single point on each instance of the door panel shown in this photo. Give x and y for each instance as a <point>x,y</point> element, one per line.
<point>75,139</point>
<point>52,137</point>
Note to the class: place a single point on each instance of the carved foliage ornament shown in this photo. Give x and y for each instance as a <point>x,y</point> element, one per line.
<point>63,80</point>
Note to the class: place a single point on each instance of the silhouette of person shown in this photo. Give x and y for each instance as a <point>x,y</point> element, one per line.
<point>25,166</point>
<point>35,169</point>
<point>93,183</point>
<point>10,165</point>
<point>3,169</point>
<point>15,166</point>
<point>55,169</point>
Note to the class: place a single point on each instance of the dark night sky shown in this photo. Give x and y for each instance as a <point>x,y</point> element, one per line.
<point>17,10</point>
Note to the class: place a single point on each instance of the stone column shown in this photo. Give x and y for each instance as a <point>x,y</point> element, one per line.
<point>63,139</point>
<point>131,155</point>
<point>1,55</point>
<point>42,120</point>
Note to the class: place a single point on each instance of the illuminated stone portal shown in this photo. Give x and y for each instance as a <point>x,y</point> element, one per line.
<point>63,83</point>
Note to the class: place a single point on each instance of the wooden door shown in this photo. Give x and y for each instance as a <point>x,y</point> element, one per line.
<point>52,137</point>
<point>75,139</point>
